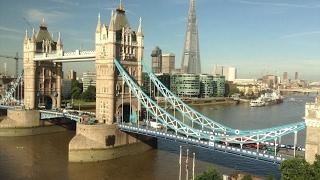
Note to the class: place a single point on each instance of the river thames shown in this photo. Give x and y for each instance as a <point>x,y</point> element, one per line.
<point>46,156</point>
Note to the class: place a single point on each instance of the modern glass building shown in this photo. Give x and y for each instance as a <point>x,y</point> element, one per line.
<point>206,85</point>
<point>218,85</point>
<point>185,85</point>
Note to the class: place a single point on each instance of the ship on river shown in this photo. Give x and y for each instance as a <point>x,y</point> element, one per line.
<point>268,98</point>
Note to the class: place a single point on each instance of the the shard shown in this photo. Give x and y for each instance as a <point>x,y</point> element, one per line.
<point>191,53</point>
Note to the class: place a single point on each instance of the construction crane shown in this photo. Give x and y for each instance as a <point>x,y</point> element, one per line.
<point>15,58</point>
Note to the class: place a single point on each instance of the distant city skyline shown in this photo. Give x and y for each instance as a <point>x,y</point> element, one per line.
<point>256,37</point>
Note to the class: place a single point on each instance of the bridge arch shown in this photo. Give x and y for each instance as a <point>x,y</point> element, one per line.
<point>124,110</point>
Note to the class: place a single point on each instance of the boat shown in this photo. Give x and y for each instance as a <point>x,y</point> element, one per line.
<point>272,98</point>
<point>257,102</point>
<point>268,98</point>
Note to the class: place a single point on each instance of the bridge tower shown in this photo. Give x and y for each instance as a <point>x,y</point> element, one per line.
<point>116,41</point>
<point>312,119</point>
<point>42,79</point>
<point>114,101</point>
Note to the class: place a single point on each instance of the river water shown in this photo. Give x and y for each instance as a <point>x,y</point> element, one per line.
<point>46,156</point>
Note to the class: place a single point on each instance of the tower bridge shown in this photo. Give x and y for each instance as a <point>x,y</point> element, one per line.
<point>120,127</point>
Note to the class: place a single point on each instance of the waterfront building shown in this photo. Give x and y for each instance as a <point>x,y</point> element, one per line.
<point>66,88</point>
<point>164,79</point>
<point>229,72</point>
<point>156,60</point>
<point>72,75</point>
<point>206,85</point>
<point>218,85</point>
<point>185,85</point>
<point>168,62</point>
<point>248,86</point>
<point>88,79</point>
<point>191,53</point>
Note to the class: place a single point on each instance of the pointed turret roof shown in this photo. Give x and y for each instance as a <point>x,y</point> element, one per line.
<point>120,19</point>
<point>98,29</point>
<point>43,33</point>
<point>59,41</point>
<point>140,29</point>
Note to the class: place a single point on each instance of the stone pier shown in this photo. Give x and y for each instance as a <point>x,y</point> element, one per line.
<point>21,122</point>
<point>312,119</point>
<point>104,142</point>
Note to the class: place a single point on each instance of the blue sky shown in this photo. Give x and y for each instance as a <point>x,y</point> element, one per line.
<point>256,36</point>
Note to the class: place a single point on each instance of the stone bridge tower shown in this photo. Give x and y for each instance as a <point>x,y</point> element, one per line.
<point>116,41</point>
<point>312,119</point>
<point>42,79</point>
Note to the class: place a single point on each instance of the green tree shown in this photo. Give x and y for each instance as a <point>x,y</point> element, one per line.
<point>210,174</point>
<point>316,167</point>
<point>233,89</point>
<point>75,93</point>
<point>247,177</point>
<point>76,89</point>
<point>297,169</point>
<point>89,94</point>
<point>270,177</point>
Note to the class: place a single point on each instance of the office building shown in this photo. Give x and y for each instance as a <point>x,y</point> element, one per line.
<point>66,86</point>
<point>185,85</point>
<point>72,75</point>
<point>168,62</point>
<point>229,72</point>
<point>156,58</point>
<point>191,53</point>
<point>218,86</point>
<point>296,76</point>
<point>206,85</point>
<point>285,77</point>
<point>88,79</point>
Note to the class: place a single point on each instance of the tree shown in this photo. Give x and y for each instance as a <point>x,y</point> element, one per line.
<point>76,89</point>
<point>210,174</point>
<point>270,177</point>
<point>316,167</point>
<point>247,177</point>
<point>296,168</point>
<point>75,93</point>
<point>89,94</point>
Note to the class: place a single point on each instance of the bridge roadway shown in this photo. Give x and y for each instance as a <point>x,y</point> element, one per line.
<point>170,135</point>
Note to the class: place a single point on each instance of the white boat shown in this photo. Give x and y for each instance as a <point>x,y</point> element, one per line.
<point>272,98</point>
<point>257,103</point>
<point>268,98</point>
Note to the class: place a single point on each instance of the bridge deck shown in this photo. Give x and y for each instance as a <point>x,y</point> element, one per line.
<point>160,133</point>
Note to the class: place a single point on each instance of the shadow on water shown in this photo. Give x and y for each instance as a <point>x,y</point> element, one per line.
<point>234,162</point>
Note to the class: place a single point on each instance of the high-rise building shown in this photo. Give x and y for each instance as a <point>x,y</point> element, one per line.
<point>296,76</point>
<point>72,75</point>
<point>66,88</point>
<point>285,77</point>
<point>156,58</point>
<point>168,61</point>
<point>88,79</point>
<point>229,72</point>
<point>191,54</point>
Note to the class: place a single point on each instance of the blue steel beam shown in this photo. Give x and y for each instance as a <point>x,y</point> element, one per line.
<point>243,138</point>
<point>202,120</point>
